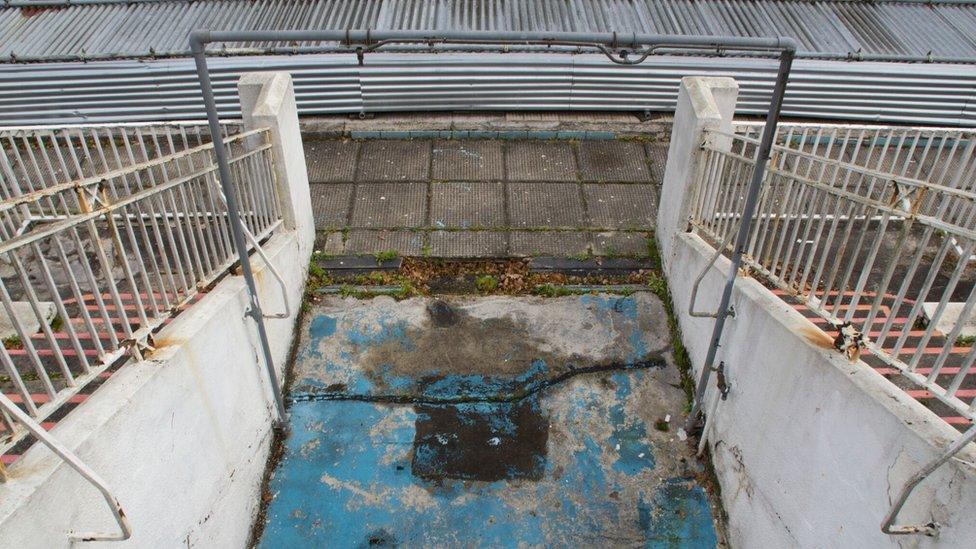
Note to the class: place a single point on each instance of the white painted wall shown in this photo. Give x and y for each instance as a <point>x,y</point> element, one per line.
<point>183,437</point>
<point>809,448</point>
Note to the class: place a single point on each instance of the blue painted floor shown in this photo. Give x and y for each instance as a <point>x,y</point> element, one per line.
<point>391,446</point>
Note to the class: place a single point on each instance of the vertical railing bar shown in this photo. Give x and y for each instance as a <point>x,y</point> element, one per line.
<point>182,232</point>
<point>221,235</point>
<point>964,369</point>
<point>79,299</point>
<point>180,203</point>
<point>795,243</point>
<point>189,287</point>
<point>18,381</point>
<point>26,341</point>
<point>61,310</point>
<point>792,220</point>
<point>157,234</point>
<point>835,204</point>
<point>34,302</point>
<point>951,337</point>
<point>943,301</point>
<point>213,260</point>
<point>123,258</point>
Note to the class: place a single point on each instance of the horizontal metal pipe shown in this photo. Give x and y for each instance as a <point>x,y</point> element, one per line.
<point>456,47</point>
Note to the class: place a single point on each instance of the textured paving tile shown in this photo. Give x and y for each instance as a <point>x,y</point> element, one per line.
<point>467,205</point>
<point>390,205</point>
<point>408,243</point>
<point>331,161</point>
<point>330,204</point>
<point>460,160</point>
<point>468,244</point>
<point>613,161</point>
<point>621,205</point>
<point>331,243</point>
<point>540,161</point>
<point>394,160</point>
<point>556,205</point>
<point>529,243</point>
<point>620,244</point>
<point>658,155</point>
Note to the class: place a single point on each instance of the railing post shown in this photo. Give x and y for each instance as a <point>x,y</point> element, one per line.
<point>704,103</point>
<point>268,101</point>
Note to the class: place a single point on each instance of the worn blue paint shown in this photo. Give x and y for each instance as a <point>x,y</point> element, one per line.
<point>634,453</point>
<point>356,474</point>
<point>678,516</point>
<point>344,481</point>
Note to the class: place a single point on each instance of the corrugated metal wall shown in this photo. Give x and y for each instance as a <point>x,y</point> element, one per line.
<point>823,85</point>
<point>168,90</point>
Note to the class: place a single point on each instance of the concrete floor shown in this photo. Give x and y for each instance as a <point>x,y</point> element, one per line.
<point>484,197</point>
<point>487,421</point>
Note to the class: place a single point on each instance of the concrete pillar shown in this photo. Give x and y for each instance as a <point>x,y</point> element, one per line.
<point>704,103</point>
<point>268,101</point>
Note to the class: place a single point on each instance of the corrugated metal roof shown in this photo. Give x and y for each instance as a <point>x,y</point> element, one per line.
<point>95,29</point>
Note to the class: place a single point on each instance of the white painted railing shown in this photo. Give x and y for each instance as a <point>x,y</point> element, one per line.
<point>874,229</point>
<point>107,232</point>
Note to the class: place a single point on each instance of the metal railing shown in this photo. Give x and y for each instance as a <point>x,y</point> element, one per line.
<point>105,234</point>
<point>871,227</point>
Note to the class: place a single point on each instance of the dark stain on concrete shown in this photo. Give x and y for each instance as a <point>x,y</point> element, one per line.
<point>480,441</point>
<point>442,315</point>
<point>458,343</point>
<point>379,538</point>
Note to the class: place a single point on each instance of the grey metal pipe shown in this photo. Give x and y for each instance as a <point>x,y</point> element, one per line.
<point>13,58</point>
<point>742,237</point>
<point>642,44</point>
<point>230,195</point>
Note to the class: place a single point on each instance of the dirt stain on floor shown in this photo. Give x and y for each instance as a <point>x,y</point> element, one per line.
<point>480,441</point>
<point>455,343</point>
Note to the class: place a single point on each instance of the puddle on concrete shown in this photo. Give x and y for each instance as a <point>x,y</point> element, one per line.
<point>483,441</point>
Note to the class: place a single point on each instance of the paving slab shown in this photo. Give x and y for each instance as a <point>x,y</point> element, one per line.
<point>622,161</point>
<point>406,243</point>
<point>610,244</point>
<point>621,205</point>
<point>540,161</point>
<point>555,243</point>
<point>390,205</point>
<point>330,243</point>
<point>468,244</point>
<point>545,205</point>
<point>464,160</point>
<point>496,421</point>
<point>331,161</point>
<point>657,153</point>
<point>394,160</point>
<point>331,204</point>
<point>467,205</point>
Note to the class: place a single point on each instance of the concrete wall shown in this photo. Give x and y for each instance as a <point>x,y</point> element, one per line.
<point>809,448</point>
<point>183,437</point>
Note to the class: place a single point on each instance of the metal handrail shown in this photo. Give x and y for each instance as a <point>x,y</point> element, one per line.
<point>69,457</point>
